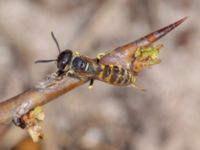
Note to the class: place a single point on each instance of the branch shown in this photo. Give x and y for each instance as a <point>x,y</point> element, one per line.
<point>55,86</point>
<point>47,90</point>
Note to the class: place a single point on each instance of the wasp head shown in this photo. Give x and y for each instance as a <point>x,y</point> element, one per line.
<point>64,60</point>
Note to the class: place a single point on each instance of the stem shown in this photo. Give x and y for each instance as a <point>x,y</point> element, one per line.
<point>41,94</point>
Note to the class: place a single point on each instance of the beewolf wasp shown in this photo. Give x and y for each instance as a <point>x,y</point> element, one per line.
<point>72,63</point>
<point>117,66</point>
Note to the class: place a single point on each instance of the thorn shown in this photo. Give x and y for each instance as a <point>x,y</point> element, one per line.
<point>156,35</point>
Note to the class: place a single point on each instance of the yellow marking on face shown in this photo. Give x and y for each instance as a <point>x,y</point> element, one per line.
<point>66,68</point>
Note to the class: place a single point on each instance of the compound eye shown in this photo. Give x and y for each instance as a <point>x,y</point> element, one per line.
<point>61,65</point>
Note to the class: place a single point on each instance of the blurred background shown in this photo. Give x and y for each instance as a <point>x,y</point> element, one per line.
<point>165,117</point>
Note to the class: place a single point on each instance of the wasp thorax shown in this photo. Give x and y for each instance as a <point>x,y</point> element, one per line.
<point>64,60</point>
<point>79,64</point>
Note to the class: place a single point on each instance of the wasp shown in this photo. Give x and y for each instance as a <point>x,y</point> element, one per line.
<point>80,66</point>
<point>116,67</point>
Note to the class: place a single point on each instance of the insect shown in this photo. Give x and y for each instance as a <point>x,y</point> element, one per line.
<point>72,63</point>
<point>117,67</point>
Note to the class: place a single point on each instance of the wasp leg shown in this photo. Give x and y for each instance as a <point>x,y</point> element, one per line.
<point>138,88</point>
<point>99,56</point>
<point>91,84</point>
<point>133,80</point>
<point>70,72</point>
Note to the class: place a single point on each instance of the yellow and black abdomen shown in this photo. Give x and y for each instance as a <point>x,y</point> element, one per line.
<point>115,75</point>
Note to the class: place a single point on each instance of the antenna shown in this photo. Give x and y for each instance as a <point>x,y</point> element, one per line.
<point>45,61</point>
<point>55,40</point>
<point>50,60</point>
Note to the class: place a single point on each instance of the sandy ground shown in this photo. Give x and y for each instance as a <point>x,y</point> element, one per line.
<point>165,117</point>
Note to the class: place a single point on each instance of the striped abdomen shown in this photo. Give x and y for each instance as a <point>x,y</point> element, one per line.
<point>115,75</point>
